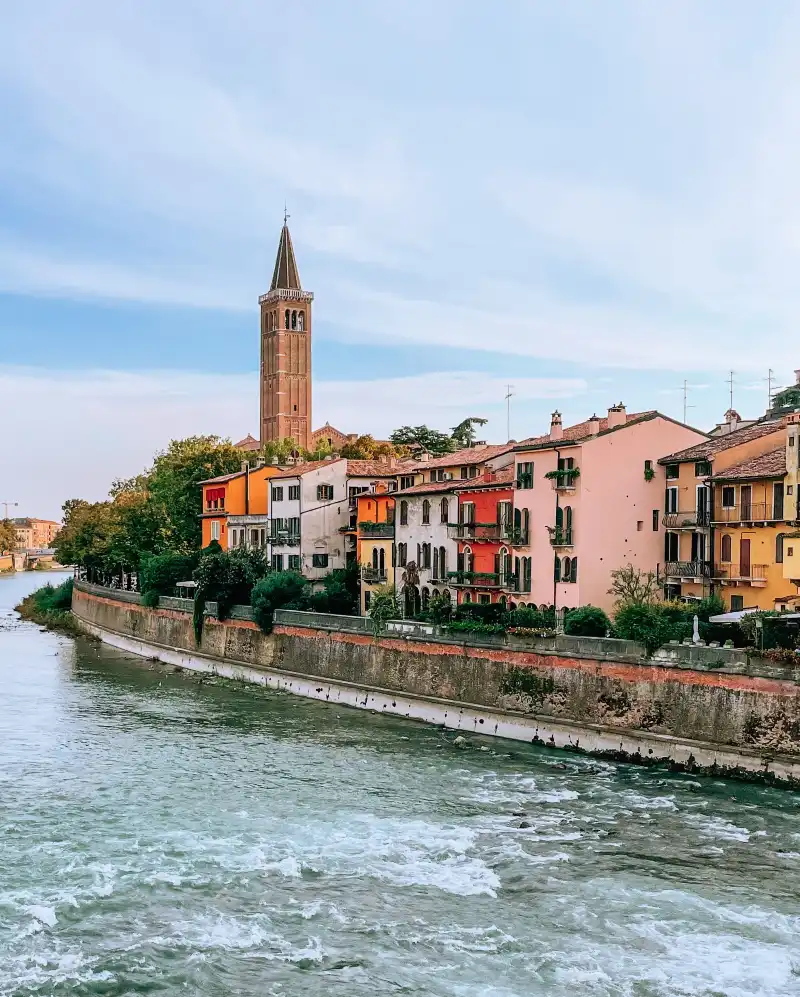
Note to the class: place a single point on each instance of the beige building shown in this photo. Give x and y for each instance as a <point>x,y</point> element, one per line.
<point>35,534</point>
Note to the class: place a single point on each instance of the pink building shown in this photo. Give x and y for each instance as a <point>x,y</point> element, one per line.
<point>594,494</point>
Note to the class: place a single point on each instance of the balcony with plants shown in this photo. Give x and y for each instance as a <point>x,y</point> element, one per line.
<point>561,536</point>
<point>695,519</point>
<point>373,576</point>
<point>564,478</point>
<point>478,579</point>
<point>376,531</point>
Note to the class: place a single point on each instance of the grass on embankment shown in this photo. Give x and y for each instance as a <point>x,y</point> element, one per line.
<point>49,606</point>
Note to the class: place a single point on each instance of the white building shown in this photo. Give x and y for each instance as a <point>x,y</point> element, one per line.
<point>422,516</point>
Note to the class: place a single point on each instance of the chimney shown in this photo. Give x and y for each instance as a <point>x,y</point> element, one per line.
<point>617,416</point>
<point>797,376</point>
<point>392,463</point>
<point>245,465</point>
<point>594,425</point>
<point>732,419</point>
<point>556,429</point>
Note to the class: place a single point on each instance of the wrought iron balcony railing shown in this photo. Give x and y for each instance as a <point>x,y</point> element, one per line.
<point>479,579</point>
<point>561,537</point>
<point>373,576</point>
<point>496,532</point>
<point>687,520</point>
<point>753,512</point>
<point>685,569</point>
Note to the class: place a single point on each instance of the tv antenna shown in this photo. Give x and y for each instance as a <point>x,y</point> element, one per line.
<point>509,396</point>
<point>769,379</point>
<point>686,403</point>
<point>730,383</point>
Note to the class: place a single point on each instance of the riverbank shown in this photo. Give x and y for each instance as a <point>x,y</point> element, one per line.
<point>724,716</point>
<point>50,606</point>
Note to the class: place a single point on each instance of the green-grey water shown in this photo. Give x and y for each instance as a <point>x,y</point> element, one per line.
<point>163,835</point>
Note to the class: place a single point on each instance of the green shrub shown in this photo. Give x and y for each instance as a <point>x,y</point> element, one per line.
<point>150,598</point>
<point>490,612</point>
<point>531,618</point>
<point>339,593</point>
<point>440,610</point>
<point>647,624</point>
<point>51,598</point>
<point>160,573</point>
<point>280,589</point>
<point>532,631</point>
<point>228,578</point>
<point>474,627</point>
<point>382,608</point>
<point>587,621</point>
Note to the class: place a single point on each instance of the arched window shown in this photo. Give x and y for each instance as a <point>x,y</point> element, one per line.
<point>502,601</point>
<point>443,562</point>
<point>568,520</point>
<point>301,320</point>
<point>468,559</point>
<point>574,575</point>
<point>375,558</point>
<point>526,574</point>
<point>559,517</point>
<point>426,596</point>
<point>467,597</point>
<point>445,510</point>
<point>557,569</point>
<point>269,321</point>
<point>779,548</point>
<point>446,594</point>
<point>566,565</point>
<point>294,319</point>
<point>402,554</point>
<point>382,561</point>
<point>725,548</point>
<point>286,318</point>
<point>404,513</point>
<point>426,512</point>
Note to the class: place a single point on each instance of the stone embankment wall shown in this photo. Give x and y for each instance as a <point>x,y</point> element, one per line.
<point>700,697</point>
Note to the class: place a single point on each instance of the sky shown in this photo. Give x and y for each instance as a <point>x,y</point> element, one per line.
<point>591,202</point>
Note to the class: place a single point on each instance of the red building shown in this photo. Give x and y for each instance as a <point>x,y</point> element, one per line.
<point>489,569</point>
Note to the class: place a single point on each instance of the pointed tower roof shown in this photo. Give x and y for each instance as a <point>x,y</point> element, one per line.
<point>285,276</point>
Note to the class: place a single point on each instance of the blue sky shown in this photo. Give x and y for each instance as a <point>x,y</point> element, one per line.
<point>590,201</point>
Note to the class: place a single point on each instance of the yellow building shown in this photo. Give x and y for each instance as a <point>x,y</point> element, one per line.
<point>375,541</point>
<point>754,515</point>
<point>689,541</point>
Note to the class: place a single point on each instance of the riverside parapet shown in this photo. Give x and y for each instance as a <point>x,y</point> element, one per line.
<point>713,709</point>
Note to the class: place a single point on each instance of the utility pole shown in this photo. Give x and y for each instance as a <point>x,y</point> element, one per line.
<point>509,396</point>
<point>6,505</point>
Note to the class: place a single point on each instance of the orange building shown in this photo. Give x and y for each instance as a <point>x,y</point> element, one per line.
<point>236,508</point>
<point>375,540</point>
<point>35,534</point>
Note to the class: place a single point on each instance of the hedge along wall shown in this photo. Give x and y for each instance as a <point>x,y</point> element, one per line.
<point>711,704</point>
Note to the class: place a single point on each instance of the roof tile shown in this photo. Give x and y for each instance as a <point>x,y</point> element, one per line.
<point>716,444</point>
<point>766,465</point>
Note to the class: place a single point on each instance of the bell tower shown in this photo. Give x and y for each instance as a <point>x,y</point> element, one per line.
<point>286,351</point>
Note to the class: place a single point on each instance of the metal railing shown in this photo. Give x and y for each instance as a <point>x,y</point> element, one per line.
<point>383,531</point>
<point>560,537</point>
<point>373,576</point>
<point>736,572</point>
<point>284,538</point>
<point>687,520</point>
<point>755,512</point>
<point>685,569</point>
<point>478,579</point>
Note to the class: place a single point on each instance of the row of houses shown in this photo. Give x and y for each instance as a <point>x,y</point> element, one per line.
<point>544,521</point>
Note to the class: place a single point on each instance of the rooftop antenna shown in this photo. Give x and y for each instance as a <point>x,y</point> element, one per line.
<point>509,396</point>
<point>686,405</point>
<point>6,505</point>
<point>730,385</point>
<point>770,378</point>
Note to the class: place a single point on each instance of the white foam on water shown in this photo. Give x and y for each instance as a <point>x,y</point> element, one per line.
<point>716,828</point>
<point>47,915</point>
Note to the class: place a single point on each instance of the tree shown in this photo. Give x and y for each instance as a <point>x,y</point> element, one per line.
<point>463,435</point>
<point>633,587</point>
<point>643,622</point>
<point>278,589</point>
<point>429,439</point>
<point>87,536</point>
<point>172,484</point>
<point>382,608</point>
<point>228,577</point>
<point>8,536</point>
<point>276,452</point>
<point>339,593</point>
<point>587,621</point>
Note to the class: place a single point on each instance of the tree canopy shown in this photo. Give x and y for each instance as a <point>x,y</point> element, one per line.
<point>8,536</point>
<point>429,439</point>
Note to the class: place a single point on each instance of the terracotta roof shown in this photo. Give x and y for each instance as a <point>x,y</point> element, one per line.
<point>374,468</point>
<point>766,465</point>
<point>220,478</point>
<point>430,487</point>
<point>502,477</point>
<point>298,469</point>
<point>285,276</point>
<point>716,444</point>
<point>582,431</point>
<point>470,455</point>
<point>248,443</point>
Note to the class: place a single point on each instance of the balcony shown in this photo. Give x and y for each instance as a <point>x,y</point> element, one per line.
<point>697,519</point>
<point>373,576</point>
<point>283,538</point>
<point>479,579</point>
<point>492,532</point>
<point>560,537</point>
<point>376,531</point>
<point>747,574</point>
<point>564,478</point>
<point>689,570</point>
<point>753,512</point>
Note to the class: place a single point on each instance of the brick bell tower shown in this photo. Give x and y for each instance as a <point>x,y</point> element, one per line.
<point>286,351</point>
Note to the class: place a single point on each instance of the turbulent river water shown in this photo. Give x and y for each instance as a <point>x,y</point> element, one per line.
<point>159,834</point>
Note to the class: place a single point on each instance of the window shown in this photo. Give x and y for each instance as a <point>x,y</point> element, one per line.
<point>791,441</point>
<point>426,512</point>
<point>324,492</point>
<point>293,526</point>
<point>484,599</point>
<point>277,562</point>
<point>574,574</point>
<point>671,501</point>
<point>294,319</point>
<point>728,497</point>
<point>639,525</point>
<point>277,493</point>
<point>557,569</point>
<point>702,469</point>
<point>473,471</point>
<point>319,560</point>
<point>404,513</point>
<point>655,520</point>
<point>407,481</point>
<point>464,471</point>
<point>215,529</point>
<point>526,574</point>
<point>673,470</point>
<point>671,547</point>
<point>286,319</point>
<point>367,598</point>
<point>402,554</point>
<point>566,569</point>
<point>790,489</point>
<point>467,512</point>
<point>254,538</point>
<point>737,603</point>
<point>294,562</point>
<point>725,548</point>
<point>648,465</point>
<point>525,475</point>
<point>790,551</point>
<point>425,559</point>
<point>444,513</point>
<point>777,500</point>
<point>442,562</point>
<point>294,493</point>
<point>301,320</point>
<point>779,548</point>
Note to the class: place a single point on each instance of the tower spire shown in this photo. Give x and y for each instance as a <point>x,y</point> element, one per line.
<point>285,276</point>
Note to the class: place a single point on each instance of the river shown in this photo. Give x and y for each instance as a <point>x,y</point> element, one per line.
<point>162,834</point>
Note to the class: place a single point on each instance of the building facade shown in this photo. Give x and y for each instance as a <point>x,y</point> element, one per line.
<point>593,495</point>
<point>286,327</point>
<point>235,509</point>
<point>35,534</point>
<point>375,511</point>
<point>426,550</point>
